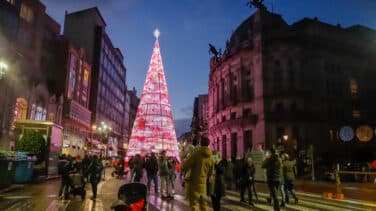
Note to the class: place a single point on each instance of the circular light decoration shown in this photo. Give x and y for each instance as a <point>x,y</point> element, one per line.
<point>346,133</point>
<point>364,133</point>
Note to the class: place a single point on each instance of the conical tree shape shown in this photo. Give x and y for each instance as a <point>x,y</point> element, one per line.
<point>154,129</point>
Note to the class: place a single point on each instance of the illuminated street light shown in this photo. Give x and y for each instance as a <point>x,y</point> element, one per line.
<point>285,137</point>
<point>3,68</point>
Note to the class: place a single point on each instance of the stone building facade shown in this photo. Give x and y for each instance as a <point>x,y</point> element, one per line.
<point>296,85</point>
<point>27,36</point>
<point>74,71</point>
<point>199,124</point>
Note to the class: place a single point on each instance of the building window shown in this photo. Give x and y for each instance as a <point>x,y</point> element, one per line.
<point>356,114</point>
<point>233,115</point>
<point>223,118</point>
<point>279,107</point>
<point>26,13</point>
<point>72,76</point>
<point>277,76</point>
<point>247,112</point>
<point>294,106</point>
<point>280,132</point>
<point>12,2</point>
<point>354,87</point>
<point>292,79</point>
<point>234,147</point>
<point>224,147</point>
<point>247,140</point>
<point>51,117</point>
<point>33,111</point>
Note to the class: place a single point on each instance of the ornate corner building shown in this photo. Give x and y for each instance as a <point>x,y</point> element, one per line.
<point>295,85</point>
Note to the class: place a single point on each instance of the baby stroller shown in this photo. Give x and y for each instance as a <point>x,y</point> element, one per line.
<point>131,197</point>
<point>77,185</point>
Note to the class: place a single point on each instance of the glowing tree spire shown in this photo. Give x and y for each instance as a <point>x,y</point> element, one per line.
<point>154,128</point>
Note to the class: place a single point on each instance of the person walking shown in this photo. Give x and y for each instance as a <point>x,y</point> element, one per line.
<point>282,184</point>
<point>85,166</point>
<point>218,191</point>
<point>273,166</point>
<point>289,177</point>
<point>201,167</point>
<point>104,164</point>
<point>171,176</point>
<point>138,165</point>
<point>247,179</point>
<point>164,175</point>
<point>95,171</point>
<point>151,167</point>
<point>64,173</point>
<point>229,174</point>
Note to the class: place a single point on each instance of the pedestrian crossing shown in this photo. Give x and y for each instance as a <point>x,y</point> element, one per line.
<point>231,202</point>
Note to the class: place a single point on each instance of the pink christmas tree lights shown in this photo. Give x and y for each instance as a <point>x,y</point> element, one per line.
<point>154,129</point>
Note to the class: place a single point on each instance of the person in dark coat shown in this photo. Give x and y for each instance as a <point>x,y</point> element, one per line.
<point>63,172</point>
<point>238,172</point>
<point>289,177</point>
<point>138,165</point>
<point>247,179</point>
<point>273,166</point>
<point>85,166</point>
<point>95,171</point>
<point>219,182</point>
<point>151,167</point>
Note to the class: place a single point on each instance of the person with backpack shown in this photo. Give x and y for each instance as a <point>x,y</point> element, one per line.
<point>151,167</point>
<point>95,171</point>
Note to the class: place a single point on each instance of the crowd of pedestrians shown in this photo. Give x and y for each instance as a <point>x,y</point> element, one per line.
<point>90,168</point>
<point>204,174</point>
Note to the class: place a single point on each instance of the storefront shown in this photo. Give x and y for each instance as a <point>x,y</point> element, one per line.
<point>52,134</point>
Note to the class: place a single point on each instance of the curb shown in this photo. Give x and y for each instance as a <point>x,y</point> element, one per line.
<point>11,188</point>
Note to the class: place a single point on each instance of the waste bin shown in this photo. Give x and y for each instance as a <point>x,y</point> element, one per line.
<point>7,170</point>
<point>24,171</point>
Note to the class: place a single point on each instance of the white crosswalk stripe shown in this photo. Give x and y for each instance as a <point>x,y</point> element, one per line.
<point>307,202</point>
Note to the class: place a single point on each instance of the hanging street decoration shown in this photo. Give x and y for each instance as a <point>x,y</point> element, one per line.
<point>154,129</point>
<point>346,133</point>
<point>364,133</point>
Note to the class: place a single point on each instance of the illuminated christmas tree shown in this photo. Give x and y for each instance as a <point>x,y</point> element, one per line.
<point>154,129</point>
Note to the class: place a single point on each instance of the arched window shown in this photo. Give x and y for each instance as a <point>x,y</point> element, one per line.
<point>33,111</point>
<point>277,76</point>
<point>44,114</point>
<point>39,113</point>
<point>20,111</point>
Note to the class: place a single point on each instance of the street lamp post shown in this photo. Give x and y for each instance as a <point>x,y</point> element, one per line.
<point>103,129</point>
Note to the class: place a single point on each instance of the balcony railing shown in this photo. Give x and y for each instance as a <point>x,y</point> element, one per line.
<point>238,122</point>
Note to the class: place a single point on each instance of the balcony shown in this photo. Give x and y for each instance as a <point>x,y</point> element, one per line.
<point>238,122</point>
<point>73,110</point>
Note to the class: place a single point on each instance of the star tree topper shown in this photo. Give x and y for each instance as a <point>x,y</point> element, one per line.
<point>157,33</point>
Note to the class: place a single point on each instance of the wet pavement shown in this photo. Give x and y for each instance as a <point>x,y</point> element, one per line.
<point>43,197</point>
